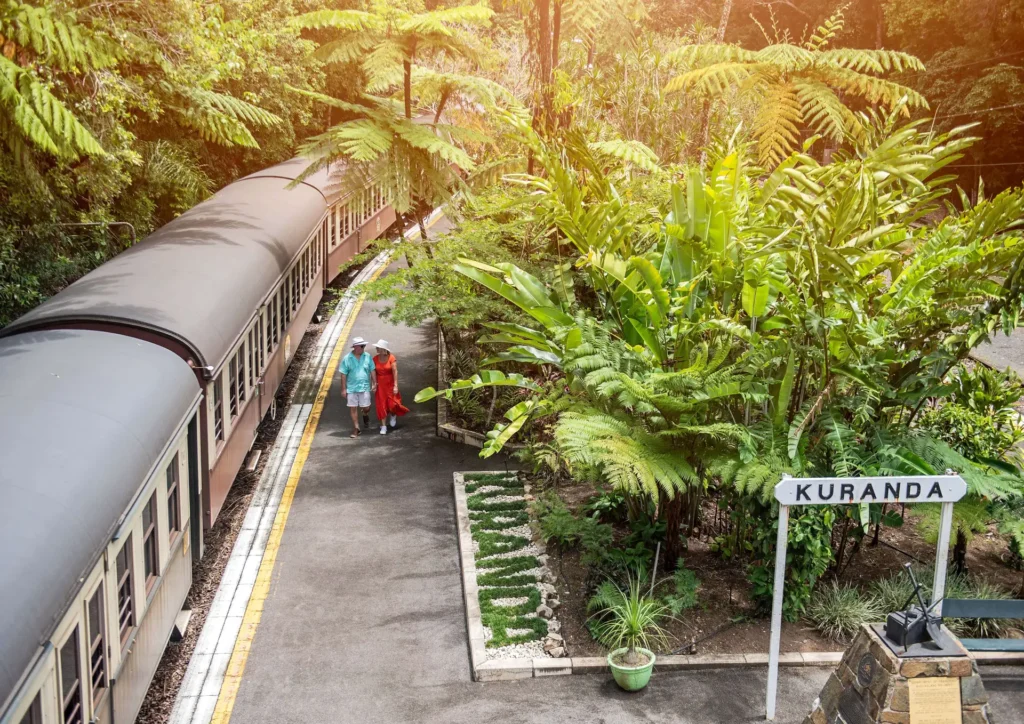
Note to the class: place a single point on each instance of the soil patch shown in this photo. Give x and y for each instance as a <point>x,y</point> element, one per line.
<point>642,660</point>
<point>206,574</point>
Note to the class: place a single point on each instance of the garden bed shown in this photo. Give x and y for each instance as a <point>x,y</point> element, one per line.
<point>510,596</point>
<point>724,620</point>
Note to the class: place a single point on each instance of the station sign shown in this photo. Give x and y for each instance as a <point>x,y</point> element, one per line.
<point>887,489</point>
<point>944,489</point>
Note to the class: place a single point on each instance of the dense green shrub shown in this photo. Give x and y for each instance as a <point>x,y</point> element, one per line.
<point>976,435</point>
<point>808,556</point>
<point>838,609</point>
<point>560,527</point>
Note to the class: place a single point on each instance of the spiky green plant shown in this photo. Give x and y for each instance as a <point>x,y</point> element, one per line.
<point>837,610</point>
<point>627,619</point>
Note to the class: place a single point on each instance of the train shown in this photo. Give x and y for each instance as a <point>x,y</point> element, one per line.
<point>128,403</point>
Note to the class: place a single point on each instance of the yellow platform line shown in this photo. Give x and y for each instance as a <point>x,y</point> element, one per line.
<point>253,612</point>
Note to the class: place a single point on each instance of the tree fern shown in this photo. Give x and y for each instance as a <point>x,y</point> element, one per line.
<point>629,458</point>
<point>218,117</point>
<point>796,85</point>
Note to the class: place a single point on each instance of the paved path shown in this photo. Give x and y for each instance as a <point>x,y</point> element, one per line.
<point>1003,352</point>
<point>364,623</point>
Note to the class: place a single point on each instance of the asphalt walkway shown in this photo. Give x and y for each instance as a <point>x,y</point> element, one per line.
<point>364,620</point>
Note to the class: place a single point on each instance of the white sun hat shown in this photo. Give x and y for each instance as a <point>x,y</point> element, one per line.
<point>382,344</point>
<point>358,342</point>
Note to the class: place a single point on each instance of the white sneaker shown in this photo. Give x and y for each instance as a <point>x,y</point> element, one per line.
<point>383,429</point>
<point>393,420</point>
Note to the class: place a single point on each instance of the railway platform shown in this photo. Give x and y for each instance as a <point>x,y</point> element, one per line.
<point>353,609</point>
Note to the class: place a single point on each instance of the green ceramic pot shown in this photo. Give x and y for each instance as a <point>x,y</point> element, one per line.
<point>631,678</point>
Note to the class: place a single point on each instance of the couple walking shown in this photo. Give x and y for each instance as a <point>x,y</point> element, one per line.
<point>361,375</point>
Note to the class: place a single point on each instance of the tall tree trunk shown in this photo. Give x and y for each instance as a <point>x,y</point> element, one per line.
<point>556,35</point>
<point>542,116</point>
<point>407,65</point>
<point>960,552</point>
<point>705,116</point>
<point>441,103</point>
<point>674,511</point>
<point>879,24</point>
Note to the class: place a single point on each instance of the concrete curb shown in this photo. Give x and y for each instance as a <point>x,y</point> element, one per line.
<point>204,677</point>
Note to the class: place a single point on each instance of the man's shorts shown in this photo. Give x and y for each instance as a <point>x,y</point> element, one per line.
<point>359,399</point>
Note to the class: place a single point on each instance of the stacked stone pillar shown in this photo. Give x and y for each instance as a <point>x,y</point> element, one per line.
<point>871,685</point>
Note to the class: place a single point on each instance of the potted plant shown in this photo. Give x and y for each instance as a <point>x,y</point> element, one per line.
<point>628,622</point>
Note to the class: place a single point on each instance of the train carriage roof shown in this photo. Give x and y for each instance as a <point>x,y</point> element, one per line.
<point>199,279</point>
<point>84,418</point>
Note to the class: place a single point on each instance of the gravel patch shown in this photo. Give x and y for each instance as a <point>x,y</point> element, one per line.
<point>530,550</point>
<point>530,650</point>
<point>508,602</point>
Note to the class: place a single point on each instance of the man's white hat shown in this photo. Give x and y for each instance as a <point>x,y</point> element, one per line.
<point>358,342</point>
<point>382,344</point>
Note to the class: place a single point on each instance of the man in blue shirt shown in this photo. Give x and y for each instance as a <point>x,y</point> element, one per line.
<point>358,380</point>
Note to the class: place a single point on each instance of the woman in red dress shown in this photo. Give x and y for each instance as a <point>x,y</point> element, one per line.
<point>389,402</point>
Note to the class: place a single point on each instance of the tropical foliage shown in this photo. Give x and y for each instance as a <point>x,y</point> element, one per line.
<point>747,329</point>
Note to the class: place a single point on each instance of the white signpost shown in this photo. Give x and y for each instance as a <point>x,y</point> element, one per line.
<point>944,489</point>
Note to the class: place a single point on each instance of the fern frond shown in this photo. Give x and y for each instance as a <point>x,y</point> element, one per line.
<point>632,152</point>
<point>59,39</point>
<point>350,20</point>
<point>40,118</point>
<point>777,123</point>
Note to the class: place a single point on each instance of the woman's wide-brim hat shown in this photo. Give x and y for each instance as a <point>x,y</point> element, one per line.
<point>382,344</point>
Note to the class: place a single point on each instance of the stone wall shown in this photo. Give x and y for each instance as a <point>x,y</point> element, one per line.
<point>871,684</point>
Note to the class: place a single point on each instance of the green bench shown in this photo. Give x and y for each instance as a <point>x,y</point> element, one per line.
<point>975,608</point>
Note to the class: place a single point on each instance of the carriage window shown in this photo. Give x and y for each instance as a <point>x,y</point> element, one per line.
<point>173,501</point>
<point>218,407</point>
<point>240,379</point>
<point>97,650</point>
<point>71,681</point>
<point>233,388</point>
<point>149,544</point>
<point>261,350</point>
<point>253,354</point>
<point>283,299</point>
<point>295,285</point>
<point>34,715</point>
<point>125,595</point>
<point>272,328</point>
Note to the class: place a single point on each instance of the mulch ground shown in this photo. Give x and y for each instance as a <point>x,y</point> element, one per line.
<point>726,622</point>
<point>206,573</point>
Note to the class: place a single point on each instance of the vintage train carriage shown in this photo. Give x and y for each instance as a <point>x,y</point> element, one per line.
<point>230,286</point>
<point>98,437</point>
